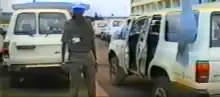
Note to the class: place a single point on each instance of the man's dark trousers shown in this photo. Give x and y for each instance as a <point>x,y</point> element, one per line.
<point>82,62</point>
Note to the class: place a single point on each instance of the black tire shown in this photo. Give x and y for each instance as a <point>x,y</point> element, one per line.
<point>162,85</point>
<point>117,77</point>
<point>1,57</point>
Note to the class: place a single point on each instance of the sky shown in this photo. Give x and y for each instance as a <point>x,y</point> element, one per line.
<point>103,7</point>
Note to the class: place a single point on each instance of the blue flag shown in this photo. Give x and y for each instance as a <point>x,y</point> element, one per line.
<point>188,32</point>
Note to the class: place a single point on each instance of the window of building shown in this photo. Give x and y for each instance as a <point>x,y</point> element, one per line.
<point>173,26</point>
<point>133,10</point>
<point>176,3</point>
<point>160,5</point>
<point>25,24</point>
<point>51,23</point>
<point>212,0</point>
<point>154,6</point>
<point>167,3</point>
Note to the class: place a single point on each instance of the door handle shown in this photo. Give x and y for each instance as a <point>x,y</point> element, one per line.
<point>57,52</point>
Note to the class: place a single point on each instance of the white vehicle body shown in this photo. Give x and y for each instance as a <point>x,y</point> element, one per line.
<point>203,52</point>
<point>100,26</point>
<point>1,43</point>
<point>113,26</point>
<point>37,50</point>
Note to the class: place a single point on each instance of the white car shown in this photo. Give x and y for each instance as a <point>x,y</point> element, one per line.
<point>100,26</point>
<point>33,41</point>
<point>151,52</point>
<point>113,26</point>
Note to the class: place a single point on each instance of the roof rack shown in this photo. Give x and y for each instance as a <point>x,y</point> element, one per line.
<point>46,5</point>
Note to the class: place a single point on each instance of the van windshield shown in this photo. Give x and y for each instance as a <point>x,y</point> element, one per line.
<point>215,30</point>
<point>51,23</point>
<point>25,24</point>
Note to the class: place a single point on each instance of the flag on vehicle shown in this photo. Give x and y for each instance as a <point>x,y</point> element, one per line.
<point>188,32</point>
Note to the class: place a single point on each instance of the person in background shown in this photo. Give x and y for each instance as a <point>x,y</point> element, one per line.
<point>79,38</point>
<point>124,31</point>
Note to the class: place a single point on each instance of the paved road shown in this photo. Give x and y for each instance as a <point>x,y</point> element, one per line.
<point>54,86</point>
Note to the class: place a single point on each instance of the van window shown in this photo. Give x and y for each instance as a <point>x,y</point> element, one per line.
<point>173,25</point>
<point>25,24</point>
<point>138,25</point>
<point>215,30</point>
<point>102,25</point>
<point>51,23</point>
<point>117,23</point>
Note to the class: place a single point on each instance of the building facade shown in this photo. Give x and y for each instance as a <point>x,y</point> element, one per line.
<point>6,5</point>
<point>143,6</point>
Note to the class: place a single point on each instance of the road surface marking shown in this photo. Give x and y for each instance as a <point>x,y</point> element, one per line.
<point>100,91</point>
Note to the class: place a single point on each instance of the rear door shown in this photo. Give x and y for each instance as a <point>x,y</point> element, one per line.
<point>37,37</point>
<point>214,56</point>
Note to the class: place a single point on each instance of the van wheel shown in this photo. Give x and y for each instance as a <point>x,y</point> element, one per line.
<point>116,73</point>
<point>163,88</point>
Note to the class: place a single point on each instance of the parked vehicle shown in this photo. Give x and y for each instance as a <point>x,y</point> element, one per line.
<point>150,52</point>
<point>100,26</point>
<point>113,26</point>
<point>34,45</point>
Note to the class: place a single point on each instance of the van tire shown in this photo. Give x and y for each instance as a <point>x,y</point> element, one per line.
<point>162,85</point>
<point>119,75</point>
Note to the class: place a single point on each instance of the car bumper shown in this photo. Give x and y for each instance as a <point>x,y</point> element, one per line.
<point>191,92</point>
<point>204,93</point>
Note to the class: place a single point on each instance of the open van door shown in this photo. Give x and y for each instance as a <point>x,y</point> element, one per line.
<point>141,49</point>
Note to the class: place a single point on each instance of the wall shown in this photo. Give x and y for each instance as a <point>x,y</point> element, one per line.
<point>5,5</point>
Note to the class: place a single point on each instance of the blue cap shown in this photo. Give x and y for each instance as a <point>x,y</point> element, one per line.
<point>78,8</point>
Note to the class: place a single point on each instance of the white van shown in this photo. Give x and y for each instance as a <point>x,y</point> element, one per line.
<point>100,27</point>
<point>152,55</point>
<point>33,41</point>
<point>113,26</point>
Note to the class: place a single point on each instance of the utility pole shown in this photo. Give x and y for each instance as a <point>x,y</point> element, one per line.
<point>34,1</point>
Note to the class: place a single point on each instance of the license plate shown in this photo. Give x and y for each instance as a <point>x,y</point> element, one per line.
<point>42,65</point>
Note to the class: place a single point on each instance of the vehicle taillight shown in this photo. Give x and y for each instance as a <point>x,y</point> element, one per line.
<point>5,50</point>
<point>202,71</point>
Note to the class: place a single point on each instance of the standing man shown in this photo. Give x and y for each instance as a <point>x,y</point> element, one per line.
<point>79,38</point>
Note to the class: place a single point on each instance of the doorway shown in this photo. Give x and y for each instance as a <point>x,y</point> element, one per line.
<point>153,37</point>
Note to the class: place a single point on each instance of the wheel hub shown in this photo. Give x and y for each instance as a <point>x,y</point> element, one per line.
<point>160,92</point>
